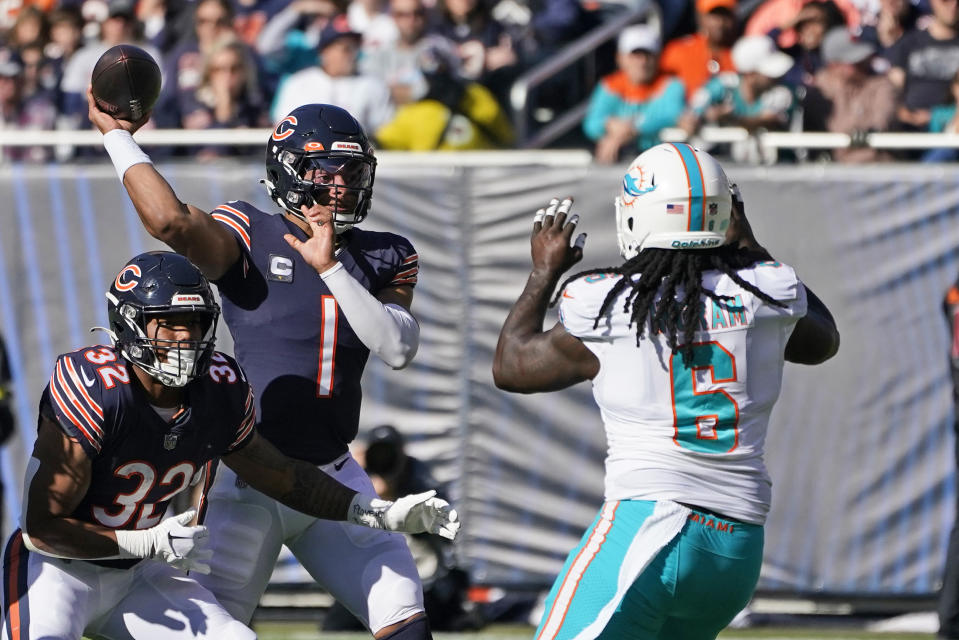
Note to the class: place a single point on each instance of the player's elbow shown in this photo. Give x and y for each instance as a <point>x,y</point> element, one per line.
<point>401,339</point>
<point>507,376</point>
<point>170,225</point>
<point>398,356</point>
<point>814,351</point>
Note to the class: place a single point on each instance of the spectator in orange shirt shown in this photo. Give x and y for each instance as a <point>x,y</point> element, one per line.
<point>700,56</point>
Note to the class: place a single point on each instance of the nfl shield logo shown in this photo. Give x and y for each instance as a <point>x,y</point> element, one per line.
<point>169,441</point>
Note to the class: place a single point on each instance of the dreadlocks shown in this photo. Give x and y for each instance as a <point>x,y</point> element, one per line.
<point>670,271</point>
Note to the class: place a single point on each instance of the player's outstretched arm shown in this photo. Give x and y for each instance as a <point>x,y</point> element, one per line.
<point>815,338</point>
<point>528,359</point>
<point>185,228</point>
<point>58,477</point>
<point>304,487</point>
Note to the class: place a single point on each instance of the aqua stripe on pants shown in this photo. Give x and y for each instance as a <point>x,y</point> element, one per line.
<point>691,590</point>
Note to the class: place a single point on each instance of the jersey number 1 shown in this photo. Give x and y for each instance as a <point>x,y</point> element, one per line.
<point>329,315</point>
<point>704,421</point>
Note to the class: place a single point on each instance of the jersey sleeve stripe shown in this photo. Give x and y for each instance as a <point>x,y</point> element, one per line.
<point>230,222</point>
<point>249,419</point>
<point>67,391</point>
<point>65,410</point>
<point>245,428</point>
<point>97,409</point>
<point>239,214</point>
<point>407,273</point>
<point>412,258</point>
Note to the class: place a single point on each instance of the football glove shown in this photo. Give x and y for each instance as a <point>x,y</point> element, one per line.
<point>171,541</point>
<point>417,513</point>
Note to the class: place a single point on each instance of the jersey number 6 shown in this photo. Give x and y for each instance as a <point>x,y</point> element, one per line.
<point>704,421</point>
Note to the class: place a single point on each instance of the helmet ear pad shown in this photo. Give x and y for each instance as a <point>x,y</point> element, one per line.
<point>673,196</point>
<point>312,135</point>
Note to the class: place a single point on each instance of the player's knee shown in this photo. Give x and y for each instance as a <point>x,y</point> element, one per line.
<point>417,628</point>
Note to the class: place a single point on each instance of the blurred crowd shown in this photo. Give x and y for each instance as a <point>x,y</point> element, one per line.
<point>436,74</point>
<point>847,66</point>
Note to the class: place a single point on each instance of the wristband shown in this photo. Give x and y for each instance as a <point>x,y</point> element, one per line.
<point>367,512</point>
<point>124,151</point>
<point>135,543</point>
<point>329,272</point>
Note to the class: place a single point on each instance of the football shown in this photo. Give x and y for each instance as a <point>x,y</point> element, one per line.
<point>126,82</point>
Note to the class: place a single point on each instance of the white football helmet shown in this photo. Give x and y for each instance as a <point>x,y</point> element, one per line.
<point>674,196</point>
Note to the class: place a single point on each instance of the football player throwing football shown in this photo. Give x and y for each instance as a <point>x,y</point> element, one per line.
<point>307,295</point>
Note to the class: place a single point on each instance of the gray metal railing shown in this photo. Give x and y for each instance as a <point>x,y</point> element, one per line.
<point>580,50</point>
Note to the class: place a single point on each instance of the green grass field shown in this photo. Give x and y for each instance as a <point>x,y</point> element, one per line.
<point>283,631</point>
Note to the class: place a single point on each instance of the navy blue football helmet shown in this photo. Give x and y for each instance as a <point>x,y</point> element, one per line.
<point>161,284</point>
<point>320,154</point>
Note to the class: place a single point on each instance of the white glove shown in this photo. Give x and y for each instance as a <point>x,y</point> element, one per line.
<point>417,513</point>
<point>171,541</point>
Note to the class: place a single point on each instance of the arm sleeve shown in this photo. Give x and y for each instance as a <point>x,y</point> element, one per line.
<point>389,331</point>
<point>244,430</point>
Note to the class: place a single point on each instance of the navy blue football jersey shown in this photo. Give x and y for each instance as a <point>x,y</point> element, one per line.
<point>300,353</point>
<point>140,461</point>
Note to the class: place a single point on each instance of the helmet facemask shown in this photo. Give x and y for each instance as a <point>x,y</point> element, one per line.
<point>343,182</point>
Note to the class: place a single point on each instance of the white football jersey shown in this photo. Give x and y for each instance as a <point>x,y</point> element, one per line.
<point>690,434</point>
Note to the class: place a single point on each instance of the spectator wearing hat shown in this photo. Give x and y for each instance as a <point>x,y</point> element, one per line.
<point>923,63</point>
<point>629,107</point>
<point>753,98</point>
<point>336,81</point>
<point>698,57</point>
<point>847,96</point>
